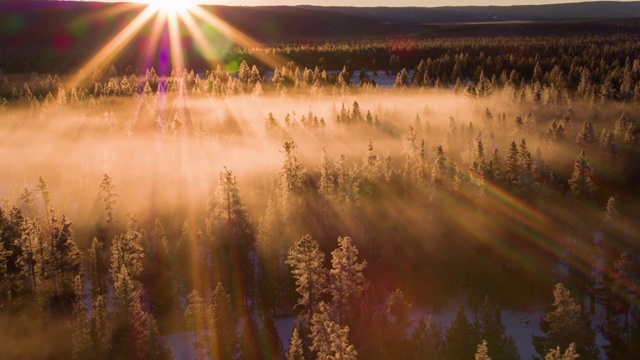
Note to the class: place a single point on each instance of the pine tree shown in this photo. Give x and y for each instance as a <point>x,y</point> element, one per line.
<point>230,234</point>
<point>399,322</point>
<point>439,173</point>
<point>296,351</point>
<point>197,317</point>
<point>99,327</point>
<point>492,329</point>
<point>346,282</point>
<point>271,338</point>
<point>292,179</point>
<point>223,326</point>
<point>581,184</point>
<point>427,340</point>
<point>402,79</point>
<point>249,341</point>
<point>157,274</point>
<point>565,323</point>
<point>556,354</point>
<point>461,337</point>
<point>329,339</point>
<point>107,190</point>
<point>44,193</point>
<point>127,335</point>
<point>126,251</point>
<point>587,135</point>
<point>306,262</point>
<point>621,328</point>
<point>65,264</point>
<point>81,328</point>
<point>513,170</point>
<point>483,352</point>
<point>97,268</point>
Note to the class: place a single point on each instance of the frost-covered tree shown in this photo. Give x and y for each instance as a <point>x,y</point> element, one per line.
<point>346,281</point>
<point>565,323</point>
<point>581,183</point>
<point>229,233</point>
<point>64,265</point>
<point>224,325</point>
<point>329,339</point>
<point>307,266</point>
<point>556,354</point>
<point>127,252</point>
<point>296,351</point>
<point>80,326</point>
<point>107,191</point>
<point>157,275</point>
<point>133,331</point>
<point>587,135</point>
<point>483,351</point>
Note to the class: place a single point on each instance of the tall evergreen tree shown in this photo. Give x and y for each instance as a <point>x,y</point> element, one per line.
<point>427,340</point>
<point>65,265</point>
<point>296,351</point>
<point>581,183</point>
<point>306,262</point>
<point>329,339</point>
<point>230,235</point>
<point>492,329</point>
<point>461,337</point>
<point>399,322</point>
<point>565,323</point>
<point>107,190</point>
<point>346,282</point>
<point>127,252</point>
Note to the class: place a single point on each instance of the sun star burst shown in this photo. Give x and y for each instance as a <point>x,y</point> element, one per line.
<point>171,6</point>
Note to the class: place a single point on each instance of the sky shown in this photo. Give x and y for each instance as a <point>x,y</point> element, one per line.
<point>366,3</point>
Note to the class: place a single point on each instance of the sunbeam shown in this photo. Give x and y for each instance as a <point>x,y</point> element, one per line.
<point>114,47</point>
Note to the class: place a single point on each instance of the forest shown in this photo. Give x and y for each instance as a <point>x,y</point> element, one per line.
<point>357,182</point>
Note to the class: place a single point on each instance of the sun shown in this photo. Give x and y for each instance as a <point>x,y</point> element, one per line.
<point>171,6</point>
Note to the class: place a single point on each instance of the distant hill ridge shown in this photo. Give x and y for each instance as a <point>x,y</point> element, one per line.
<point>456,14</point>
<point>65,30</point>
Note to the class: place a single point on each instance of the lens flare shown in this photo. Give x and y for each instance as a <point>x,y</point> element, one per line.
<point>181,22</point>
<point>171,6</point>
